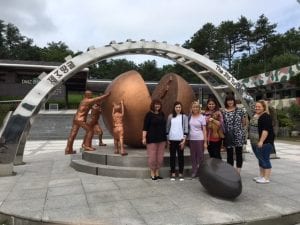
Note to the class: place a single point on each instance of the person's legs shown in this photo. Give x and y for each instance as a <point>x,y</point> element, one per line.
<point>266,151</point>
<point>230,156</point>
<point>199,155</point>
<point>87,141</point>
<point>98,131</point>
<point>160,151</point>
<point>200,152</point>
<point>214,149</point>
<point>239,157</point>
<point>151,151</point>
<point>180,160</point>
<point>217,150</point>
<point>258,155</point>
<point>210,149</point>
<point>173,156</point>
<point>194,160</point>
<point>72,136</point>
<point>121,139</point>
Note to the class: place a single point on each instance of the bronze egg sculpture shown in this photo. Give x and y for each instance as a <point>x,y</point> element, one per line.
<point>172,88</point>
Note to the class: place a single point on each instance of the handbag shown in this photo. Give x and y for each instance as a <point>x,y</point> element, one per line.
<point>229,138</point>
<point>229,134</point>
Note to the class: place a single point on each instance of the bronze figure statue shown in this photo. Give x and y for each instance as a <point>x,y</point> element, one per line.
<point>118,128</point>
<point>94,128</point>
<point>80,118</point>
<point>129,87</point>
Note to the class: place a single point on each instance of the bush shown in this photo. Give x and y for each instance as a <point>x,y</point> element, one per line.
<point>294,111</point>
<point>284,118</point>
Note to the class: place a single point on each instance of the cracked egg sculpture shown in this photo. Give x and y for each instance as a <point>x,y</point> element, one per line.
<point>131,88</point>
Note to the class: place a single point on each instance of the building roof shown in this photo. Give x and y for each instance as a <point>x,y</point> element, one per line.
<point>31,64</point>
<point>276,76</point>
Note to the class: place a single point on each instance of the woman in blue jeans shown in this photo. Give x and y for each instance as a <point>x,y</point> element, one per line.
<point>261,136</point>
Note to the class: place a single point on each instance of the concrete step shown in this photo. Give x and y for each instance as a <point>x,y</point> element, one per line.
<point>104,162</point>
<point>135,158</point>
<point>119,171</point>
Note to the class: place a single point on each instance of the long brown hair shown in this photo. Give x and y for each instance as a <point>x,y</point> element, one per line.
<point>217,107</point>
<point>155,102</point>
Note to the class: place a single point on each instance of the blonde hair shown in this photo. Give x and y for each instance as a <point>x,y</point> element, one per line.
<point>197,104</point>
<point>264,105</point>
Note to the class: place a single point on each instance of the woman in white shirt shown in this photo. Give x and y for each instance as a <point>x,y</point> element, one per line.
<point>197,137</point>
<point>177,131</point>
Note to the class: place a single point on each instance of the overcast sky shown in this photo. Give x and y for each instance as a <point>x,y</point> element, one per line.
<point>81,24</point>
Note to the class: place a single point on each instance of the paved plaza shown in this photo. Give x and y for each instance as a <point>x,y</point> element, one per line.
<point>47,189</point>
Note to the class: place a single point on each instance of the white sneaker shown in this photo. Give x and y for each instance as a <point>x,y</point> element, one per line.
<point>262,180</point>
<point>256,178</point>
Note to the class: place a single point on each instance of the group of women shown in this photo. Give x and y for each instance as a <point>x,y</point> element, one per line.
<point>207,130</point>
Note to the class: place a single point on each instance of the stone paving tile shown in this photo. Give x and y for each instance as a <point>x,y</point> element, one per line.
<point>19,194</point>
<point>21,207</point>
<point>101,186</point>
<point>4,187</point>
<point>47,188</point>
<point>32,184</point>
<point>215,214</point>
<point>172,217</point>
<point>114,209</point>
<point>65,201</point>
<point>65,190</point>
<point>152,204</point>
<point>131,183</point>
<point>135,193</point>
<point>126,220</point>
<point>64,182</point>
<point>88,178</point>
<point>94,198</point>
<point>73,215</point>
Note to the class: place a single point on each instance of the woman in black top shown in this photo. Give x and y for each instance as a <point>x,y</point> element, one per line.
<point>154,137</point>
<point>261,136</point>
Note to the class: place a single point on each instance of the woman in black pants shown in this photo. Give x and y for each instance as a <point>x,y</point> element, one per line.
<point>234,122</point>
<point>177,131</point>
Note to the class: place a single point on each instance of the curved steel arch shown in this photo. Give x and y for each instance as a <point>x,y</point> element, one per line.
<point>20,122</point>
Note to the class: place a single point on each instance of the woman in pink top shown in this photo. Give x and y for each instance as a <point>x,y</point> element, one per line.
<point>197,137</point>
<point>214,119</point>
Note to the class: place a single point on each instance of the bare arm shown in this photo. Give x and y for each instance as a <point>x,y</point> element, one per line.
<point>205,137</point>
<point>144,137</point>
<point>113,110</point>
<point>262,138</point>
<point>122,107</point>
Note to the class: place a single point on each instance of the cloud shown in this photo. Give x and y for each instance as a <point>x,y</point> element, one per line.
<point>29,16</point>
<point>81,24</point>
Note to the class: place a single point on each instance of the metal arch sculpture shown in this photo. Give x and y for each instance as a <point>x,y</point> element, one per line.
<point>20,122</point>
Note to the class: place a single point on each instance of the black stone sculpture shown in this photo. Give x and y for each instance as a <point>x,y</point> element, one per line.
<point>220,179</point>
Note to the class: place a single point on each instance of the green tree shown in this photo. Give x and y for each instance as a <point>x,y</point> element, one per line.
<point>204,41</point>
<point>244,27</point>
<point>55,52</point>
<point>109,69</point>
<point>149,70</point>
<point>229,41</point>
<point>291,41</point>
<point>3,49</point>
